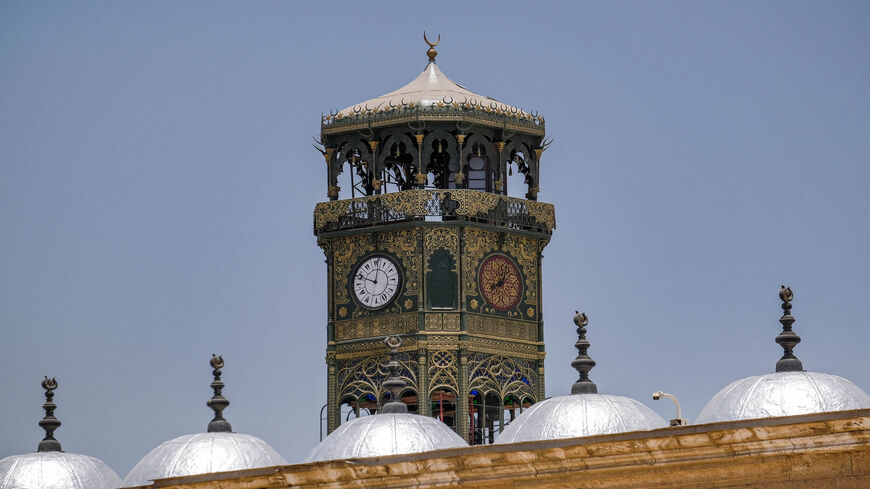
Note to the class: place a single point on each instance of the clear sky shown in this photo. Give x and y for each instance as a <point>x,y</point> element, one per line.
<point>157,184</point>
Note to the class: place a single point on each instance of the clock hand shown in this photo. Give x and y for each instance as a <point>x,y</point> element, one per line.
<point>366,278</point>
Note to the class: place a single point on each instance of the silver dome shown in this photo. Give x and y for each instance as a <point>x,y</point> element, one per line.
<point>56,470</point>
<point>385,434</point>
<point>578,415</point>
<point>203,453</point>
<point>783,394</point>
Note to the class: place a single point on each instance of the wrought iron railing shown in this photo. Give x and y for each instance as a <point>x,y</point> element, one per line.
<point>439,205</point>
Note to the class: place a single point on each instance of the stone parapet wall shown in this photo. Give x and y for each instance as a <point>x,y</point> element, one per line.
<point>820,451</point>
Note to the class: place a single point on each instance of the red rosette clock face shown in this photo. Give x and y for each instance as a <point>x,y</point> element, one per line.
<point>500,282</point>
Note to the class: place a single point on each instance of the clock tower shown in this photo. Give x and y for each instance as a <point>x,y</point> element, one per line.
<point>424,242</point>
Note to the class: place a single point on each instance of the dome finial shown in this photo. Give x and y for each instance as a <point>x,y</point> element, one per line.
<point>394,383</point>
<point>218,402</point>
<point>431,52</point>
<point>49,423</point>
<point>583,363</point>
<point>787,339</point>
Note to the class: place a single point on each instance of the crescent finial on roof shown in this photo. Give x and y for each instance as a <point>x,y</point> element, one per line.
<point>431,52</point>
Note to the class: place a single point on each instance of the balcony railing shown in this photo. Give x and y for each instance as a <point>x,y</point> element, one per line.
<point>437,205</point>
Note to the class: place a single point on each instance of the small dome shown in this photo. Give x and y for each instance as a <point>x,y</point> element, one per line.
<point>218,450</point>
<point>578,415</point>
<point>56,470</point>
<point>788,391</point>
<point>50,467</point>
<point>203,453</point>
<point>385,434</point>
<point>583,413</point>
<point>783,394</point>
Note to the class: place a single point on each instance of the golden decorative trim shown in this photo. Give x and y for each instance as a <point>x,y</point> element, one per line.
<point>497,346</point>
<point>448,322</point>
<point>377,326</point>
<point>357,349</point>
<point>501,328</point>
<point>420,203</point>
<point>504,123</point>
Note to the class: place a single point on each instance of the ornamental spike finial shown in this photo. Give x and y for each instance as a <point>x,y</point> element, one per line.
<point>49,423</point>
<point>583,363</point>
<point>394,384</point>
<point>431,52</point>
<point>787,339</point>
<point>218,402</point>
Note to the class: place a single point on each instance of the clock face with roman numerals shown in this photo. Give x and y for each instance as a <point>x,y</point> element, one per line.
<point>376,282</point>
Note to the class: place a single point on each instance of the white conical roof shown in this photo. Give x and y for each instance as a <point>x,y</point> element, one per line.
<point>431,87</point>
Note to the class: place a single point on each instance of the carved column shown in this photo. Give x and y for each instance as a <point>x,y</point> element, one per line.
<point>462,419</point>
<point>423,404</point>
<point>332,409</point>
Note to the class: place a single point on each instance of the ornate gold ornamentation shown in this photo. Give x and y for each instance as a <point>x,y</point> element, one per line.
<point>408,304</point>
<point>442,342</point>
<point>443,371</point>
<point>347,251</point>
<point>442,322</point>
<point>530,312</point>
<point>403,244</point>
<point>376,347</point>
<point>542,212</point>
<point>473,202</point>
<point>477,243</point>
<point>375,327</point>
<point>438,238</point>
<point>526,251</point>
<point>502,328</point>
<point>364,376</point>
<point>421,178</point>
<point>447,238</point>
<point>502,375</point>
<point>503,347</point>
<point>473,303</point>
<point>342,311</point>
<point>418,203</point>
<point>451,322</point>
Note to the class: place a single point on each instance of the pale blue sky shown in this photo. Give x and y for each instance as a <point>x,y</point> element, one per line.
<point>157,185</point>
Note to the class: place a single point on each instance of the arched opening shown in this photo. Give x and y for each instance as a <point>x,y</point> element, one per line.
<point>517,176</point>
<point>439,166</point>
<point>477,171</point>
<point>513,407</point>
<point>353,177</point>
<point>399,170</point>
<point>443,406</point>
<point>485,417</point>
